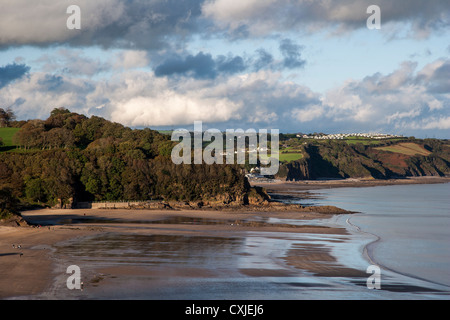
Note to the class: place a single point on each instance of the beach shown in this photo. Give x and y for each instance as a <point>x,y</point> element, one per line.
<point>31,274</point>
<point>187,254</point>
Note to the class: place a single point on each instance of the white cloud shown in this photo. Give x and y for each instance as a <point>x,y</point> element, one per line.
<point>389,99</point>
<point>72,62</point>
<point>235,13</point>
<point>129,59</point>
<point>170,108</point>
<point>401,100</point>
<point>442,124</point>
<point>309,113</point>
<point>401,115</point>
<point>36,95</point>
<point>432,123</point>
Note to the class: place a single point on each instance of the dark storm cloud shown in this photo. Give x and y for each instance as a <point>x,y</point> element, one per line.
<point>12,72</point>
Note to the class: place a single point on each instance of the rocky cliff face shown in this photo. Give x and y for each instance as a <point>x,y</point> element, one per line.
<point>343,161</point>
<point>296,170</point>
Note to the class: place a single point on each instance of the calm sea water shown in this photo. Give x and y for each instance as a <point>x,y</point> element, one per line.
<point>410,225</point>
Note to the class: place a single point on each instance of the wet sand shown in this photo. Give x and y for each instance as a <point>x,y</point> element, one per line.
<point>28,271</point>
<point>43,259</point>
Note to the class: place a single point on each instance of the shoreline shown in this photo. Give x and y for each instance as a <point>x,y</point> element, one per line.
<point>39,274</point>
<point>293,190</point>
<point>423,284</point>
<point>347,183</point>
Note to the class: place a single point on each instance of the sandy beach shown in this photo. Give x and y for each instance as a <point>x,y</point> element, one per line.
<point>159,254</point>
<point>30,272</point>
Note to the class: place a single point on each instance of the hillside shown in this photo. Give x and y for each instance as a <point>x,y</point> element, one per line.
<point>70,157</point>
<point>372,159</point>
<point>6,138</point>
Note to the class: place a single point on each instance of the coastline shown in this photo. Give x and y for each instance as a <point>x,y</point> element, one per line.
<point>292,190</point>
<point>281,186</point>
<point>39,273</point>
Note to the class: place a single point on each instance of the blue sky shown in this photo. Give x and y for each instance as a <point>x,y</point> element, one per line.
<point>293,65</point>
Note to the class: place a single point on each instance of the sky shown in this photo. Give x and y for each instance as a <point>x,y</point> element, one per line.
<point>293,65</point>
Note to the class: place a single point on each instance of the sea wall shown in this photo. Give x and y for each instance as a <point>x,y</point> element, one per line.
<point>108,205</point>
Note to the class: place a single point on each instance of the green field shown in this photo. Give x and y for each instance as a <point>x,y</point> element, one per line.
<point>290,156</point>
<point>7,135</point>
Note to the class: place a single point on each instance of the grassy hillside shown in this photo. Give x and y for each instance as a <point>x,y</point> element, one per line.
<point>291,156</point>
<point>410,149</point>
<point>7,135</point>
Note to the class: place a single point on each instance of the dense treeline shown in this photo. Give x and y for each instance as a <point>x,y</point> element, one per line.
<point>70,157</point>
<point>336,159</point>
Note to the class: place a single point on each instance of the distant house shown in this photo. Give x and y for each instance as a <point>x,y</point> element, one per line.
<point>255,170</point>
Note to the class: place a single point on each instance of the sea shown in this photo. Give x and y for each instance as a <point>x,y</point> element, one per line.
<point>407,229</point>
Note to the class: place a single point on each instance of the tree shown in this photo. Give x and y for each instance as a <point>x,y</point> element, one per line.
<point>57,111</point>
<point>6,117</point>
<point>34,189</point>
<point>8,203</point>
<point>31,135</point>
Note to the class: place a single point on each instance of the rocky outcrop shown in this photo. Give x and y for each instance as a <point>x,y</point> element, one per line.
<point>13,221</point>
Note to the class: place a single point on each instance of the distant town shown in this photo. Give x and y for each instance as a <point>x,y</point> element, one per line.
<point>341,136</point>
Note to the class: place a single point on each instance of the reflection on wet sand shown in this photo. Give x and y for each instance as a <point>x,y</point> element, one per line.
<point>153,263</point>
<point>138,249</point>
<point>253,222</point>
<point>204,255</point>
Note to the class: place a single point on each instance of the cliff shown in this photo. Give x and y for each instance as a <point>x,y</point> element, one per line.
<point>335,159</point>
